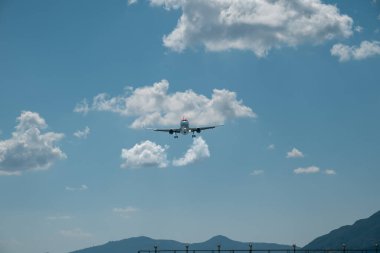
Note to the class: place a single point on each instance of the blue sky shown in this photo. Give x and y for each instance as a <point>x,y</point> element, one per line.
<point>295,84</point>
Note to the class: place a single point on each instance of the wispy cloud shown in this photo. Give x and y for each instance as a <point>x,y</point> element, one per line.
<point>366,50</point>
<point>75,233</point>
<point>198,150</point>
<point>330,172</point>
<point>307,170</point>
<point>125,212</point>
<point>294,153</point>
<point>144,154</point>
<point>358,29</point>
<point>59,217</point>
<point>153,105</point>
<point>257,173</point>
<point>83,187</point>
<point>314,170</point>
<point>10,173</point>
<point>258,26</point>
<point>131,2</point>
<point>29,149</point>
<point>82,134</point>
<point>271,147</point>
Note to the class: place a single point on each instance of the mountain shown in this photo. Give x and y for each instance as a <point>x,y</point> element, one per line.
<point>133,245</point>
<point>363,234</point>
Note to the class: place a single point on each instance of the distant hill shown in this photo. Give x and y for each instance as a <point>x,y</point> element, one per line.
<point>133,245</point>
<point>363,234</point>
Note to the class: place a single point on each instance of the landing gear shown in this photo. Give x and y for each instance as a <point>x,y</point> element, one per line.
<point>193,136</point>
<point>175,136</point>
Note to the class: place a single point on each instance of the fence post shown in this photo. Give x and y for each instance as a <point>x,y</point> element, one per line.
<point>218,248</point>
<point>344,248</point>
<point>155,248</point>
<point>376,247</point>
<point>294,248</point>
<point>250,248</point>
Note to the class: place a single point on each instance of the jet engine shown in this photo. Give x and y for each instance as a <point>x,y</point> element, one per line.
<point>198,130</point>
<point>171,131</point>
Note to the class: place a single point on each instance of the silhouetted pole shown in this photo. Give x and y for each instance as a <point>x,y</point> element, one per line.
<point>376,247</point>
<point>218,248</point>
<point>155,248</point>
<point>344,248</point>
<point>294,248</point>
<point>187,248</point>
<point>250,248</point>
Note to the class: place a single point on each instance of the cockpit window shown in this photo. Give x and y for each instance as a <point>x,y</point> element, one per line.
<point>184,123</point>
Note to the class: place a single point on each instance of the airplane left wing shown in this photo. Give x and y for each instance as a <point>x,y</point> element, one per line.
<point>166,130</point>
<point>198,129</point>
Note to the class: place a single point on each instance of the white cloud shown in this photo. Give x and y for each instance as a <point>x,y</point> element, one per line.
<point>130,2</point>
<point>271,147</point>
<point>10,173</point>
<point>82,107</point>
<point>254,25</point>
<point>28,148</point>
<point>82,134</point>
<point>60,217</point>
<point>83,187</point>
<point>198,150</point>
<point>365,50</point>
<point>76,233</point>
<point>307,170</point>
<point>294,153</point>
<point>153,105</point>
<point>330,172</point>
<point>125,212</point>
<point>358,29</point>
<point>144,154</point>
<point>257,173</point>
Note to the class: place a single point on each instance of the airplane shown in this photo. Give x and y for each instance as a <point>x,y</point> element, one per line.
<point>184,128</point>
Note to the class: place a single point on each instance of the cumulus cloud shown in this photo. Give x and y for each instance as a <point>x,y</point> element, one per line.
<point>153,105</point>
<point>294,153</point>
<point>307,170</point>
<point>254,25</point>
<point>198,150</point>
<point>125,212</point>
<point>144,154</point>
<point>82,134</point>
<point>365,50</point>
<point>83,187</point>
<point>257,173</point>
<point>29,149</point>
<point>76,233</point>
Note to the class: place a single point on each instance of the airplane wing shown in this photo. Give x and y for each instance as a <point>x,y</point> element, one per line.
<point>198,129</point>
<point>167,130</point>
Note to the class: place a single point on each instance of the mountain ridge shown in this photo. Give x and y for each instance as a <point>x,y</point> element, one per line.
<point>362,234</point>
<point>134,244</point>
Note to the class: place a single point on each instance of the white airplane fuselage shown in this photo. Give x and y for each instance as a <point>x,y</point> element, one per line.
<point>184,127</point>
